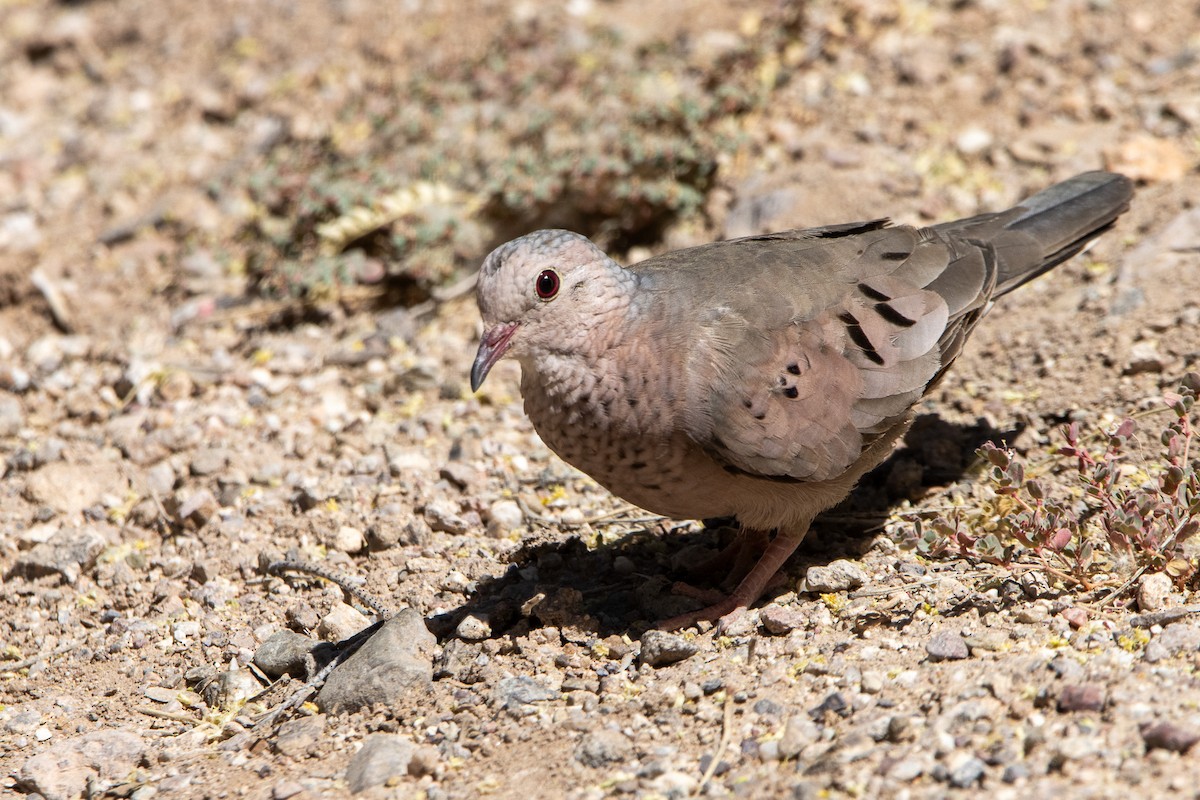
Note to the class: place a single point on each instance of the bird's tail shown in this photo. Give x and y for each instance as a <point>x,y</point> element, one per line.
<point>1050,227</point>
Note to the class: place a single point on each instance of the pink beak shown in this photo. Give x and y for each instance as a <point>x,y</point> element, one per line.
<point>491,349</point>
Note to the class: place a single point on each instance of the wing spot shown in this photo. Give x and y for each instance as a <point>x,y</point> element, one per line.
<point>893,316</point>
<point>791,392</point>
<point>894,255</point>
<point>638,465</point>
<point>872,293</point>
<point>793,368</point>
<point>859,337</point>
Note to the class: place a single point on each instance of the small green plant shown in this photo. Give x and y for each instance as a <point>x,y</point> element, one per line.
<point>423,171</point>
<point>1117,516</point>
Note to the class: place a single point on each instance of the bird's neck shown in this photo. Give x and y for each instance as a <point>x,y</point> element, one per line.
<point>604,369</point>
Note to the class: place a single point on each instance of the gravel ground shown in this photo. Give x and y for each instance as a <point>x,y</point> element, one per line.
<point>167,431</point>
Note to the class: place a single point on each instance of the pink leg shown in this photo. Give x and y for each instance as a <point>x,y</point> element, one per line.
<point>751,587</point>
<point>735,559</point>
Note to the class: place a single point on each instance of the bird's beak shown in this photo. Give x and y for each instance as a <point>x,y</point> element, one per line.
<point>491,349</point>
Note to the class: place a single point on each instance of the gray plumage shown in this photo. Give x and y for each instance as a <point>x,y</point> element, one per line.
<point>760,377</point>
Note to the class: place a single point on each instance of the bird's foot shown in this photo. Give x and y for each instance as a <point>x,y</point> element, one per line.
<point>748,591</point>
<point>733,561</point>
<point>712,613</point>
<point>710,597</point>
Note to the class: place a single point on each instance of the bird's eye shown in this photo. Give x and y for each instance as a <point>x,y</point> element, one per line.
<point>547,284</point>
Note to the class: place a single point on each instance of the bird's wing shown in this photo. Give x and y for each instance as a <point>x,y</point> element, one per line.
<point>807,347</point>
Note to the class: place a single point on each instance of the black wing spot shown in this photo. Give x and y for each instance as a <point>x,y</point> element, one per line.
<point>893,316</point>
<point>748,403</point>
<point>791,392</point>
<point>859,337</point>
<point>894,255</point>
<point>631,401</point>
<point>872,293</point>
<point>793,368</point>
<point>638,465</point>
<point>760,416</point>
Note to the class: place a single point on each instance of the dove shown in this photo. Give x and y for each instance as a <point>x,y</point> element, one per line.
<point>760,377</point>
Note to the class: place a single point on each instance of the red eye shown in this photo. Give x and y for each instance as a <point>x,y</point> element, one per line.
<point>546,284</point>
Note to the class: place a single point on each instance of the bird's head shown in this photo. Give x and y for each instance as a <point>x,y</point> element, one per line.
<point>537,294</point>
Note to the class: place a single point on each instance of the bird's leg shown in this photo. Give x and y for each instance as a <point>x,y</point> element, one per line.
<point>734,559</point>
<point>751,587</point>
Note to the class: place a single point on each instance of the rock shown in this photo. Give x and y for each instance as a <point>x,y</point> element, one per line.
<point>231,688</point>
<point>837,576</point>
<point>834,703</point>
<point>1148,158</point>
<point>64,770</point>
<point>286,789</point>
<point>342,622</point>
<point>1179,637</point>
<point>1075,616</point>
<point>1081,697</point>
<point>348,539</point>
<point>1144,357</point>
<point>12,415</point>
<point>504,517</point>
<point>443,515</point>
<point>209,461</point>
<point>425,761</point>
<point>1169,736</point>
<point>69,488</point>
<point>384,758</point>
<point>461,475</point>
<point>412,460</point>
<point>395,661</point>
<point>660,648</point>
<point>966,771</point>
<point>383,536</point>
<point>780,620</point>
<point>799,732</point>
<point>602,747</point>
<point>297,737</point>
<point>160,479</point>
<point>973,140</point>
<point>474,628</point>
<point>287,653</point>
<point>68,553</point>
<point>194,511</point>
<point>1154,592</point>
<point>947,646</point>
<point>512,694</point>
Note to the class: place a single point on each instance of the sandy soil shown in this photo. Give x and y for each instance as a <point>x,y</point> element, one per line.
<point>194,380</point>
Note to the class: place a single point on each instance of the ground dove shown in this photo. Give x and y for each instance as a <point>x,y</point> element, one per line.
<point>759,378</point>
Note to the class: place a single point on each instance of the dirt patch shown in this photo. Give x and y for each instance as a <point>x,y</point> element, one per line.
<point>202,376</point>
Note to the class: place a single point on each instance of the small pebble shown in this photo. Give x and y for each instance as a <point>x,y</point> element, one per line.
<point>1169,736</point>
<point>1154,592</point>
<point>780,620</point>
<point>837,576</point>
<point>504,517</point>
<point>1081,697</point>
<point>348,539</point>
<point>384,758</point>
<point>947,646</point>
<point>342,622</point>
<point>474,628</point>
<point>660,648</point>
<point>603,747</point>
